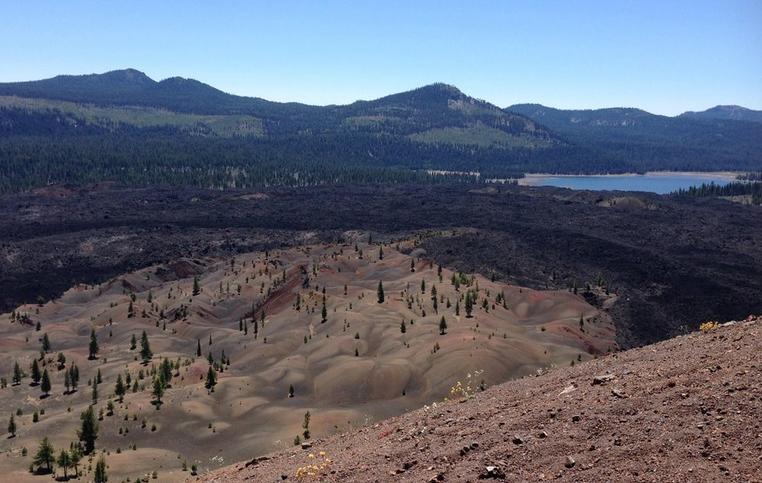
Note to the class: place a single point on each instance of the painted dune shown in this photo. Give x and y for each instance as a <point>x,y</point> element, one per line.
<point>264,312</point>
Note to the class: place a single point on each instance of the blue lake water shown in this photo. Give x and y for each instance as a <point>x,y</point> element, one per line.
<point>654,183</point>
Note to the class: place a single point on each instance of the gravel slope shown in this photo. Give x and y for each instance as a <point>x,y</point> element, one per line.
<point>686,409</point>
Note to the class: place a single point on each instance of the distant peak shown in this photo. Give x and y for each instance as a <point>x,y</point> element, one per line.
<point>438,93</point>
<point>443,88</point>
<point>130,75</point>
<point>727,112</point>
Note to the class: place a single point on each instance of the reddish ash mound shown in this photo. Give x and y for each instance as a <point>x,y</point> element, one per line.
<point>686,409</point>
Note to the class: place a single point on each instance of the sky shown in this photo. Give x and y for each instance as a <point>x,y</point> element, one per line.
<point>663,56</point>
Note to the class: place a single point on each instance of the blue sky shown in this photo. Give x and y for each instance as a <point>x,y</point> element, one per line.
<point>663,56</point>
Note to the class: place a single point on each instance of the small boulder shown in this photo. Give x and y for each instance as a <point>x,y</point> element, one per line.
<point>603,379</point>
<point>492,472</point>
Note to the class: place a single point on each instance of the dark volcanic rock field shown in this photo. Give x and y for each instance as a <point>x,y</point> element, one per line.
<point>672,263</point>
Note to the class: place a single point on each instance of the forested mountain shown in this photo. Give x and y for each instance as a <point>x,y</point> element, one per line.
<point>126,126</point>
<point>648,141</point>
<point>130,87</point>
<point>735,113</point>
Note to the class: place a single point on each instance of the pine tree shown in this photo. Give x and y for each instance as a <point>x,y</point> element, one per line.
<point>45,456</point>
<point>198,347</point>
<point>442,326</point>
<point>145,348</point>
<point>61,360</point>
<point>166,371</point>
<point>12,426</point>
<point>93,345</point>
<point>75,455</point>
<point>120,388</point>
<point>89,430</point>
<point>324,313</point>
<point>196,288</point>
<point>469,304</point>
<point>95,393</point>
<point>403,327</point>
<point>45,343</point>
<point>17,374</point>
<point>412,265</point>
<point>99,476</point>
<point>74,377</point>
<point>380,252</point>
<point>306,426</point>
<point>380,292</point>
<point>67,381</point>
<point>64,461</point>
<point>158,388</point>
<point>133,342</point>
<point>211,379</point>
<point>36,374</point>
<point>45,384</point>
<point>291,390</point>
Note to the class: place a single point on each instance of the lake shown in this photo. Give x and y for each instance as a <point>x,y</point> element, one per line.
<point>658,182</point>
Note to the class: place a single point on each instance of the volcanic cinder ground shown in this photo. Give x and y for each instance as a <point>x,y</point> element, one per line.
<point>352,369</point>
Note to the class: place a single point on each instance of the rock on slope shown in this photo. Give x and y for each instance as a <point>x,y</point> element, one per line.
<point>686,409</point>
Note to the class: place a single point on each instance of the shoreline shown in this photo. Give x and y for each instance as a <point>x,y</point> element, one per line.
<point>532,179</point>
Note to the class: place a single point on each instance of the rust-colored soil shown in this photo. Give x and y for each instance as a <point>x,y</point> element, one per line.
<point>687,409</point>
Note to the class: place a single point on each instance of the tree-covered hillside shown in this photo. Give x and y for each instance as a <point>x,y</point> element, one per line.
<point>734,113</point>
<point>124,126</point>
<point>650,142</point>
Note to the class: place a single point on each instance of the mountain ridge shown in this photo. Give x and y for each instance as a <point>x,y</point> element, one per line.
<point>132,76</point>
<point>148,129</point>
<point>727,112</point>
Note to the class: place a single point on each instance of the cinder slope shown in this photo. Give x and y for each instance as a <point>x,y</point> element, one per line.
<point>686,409</point>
